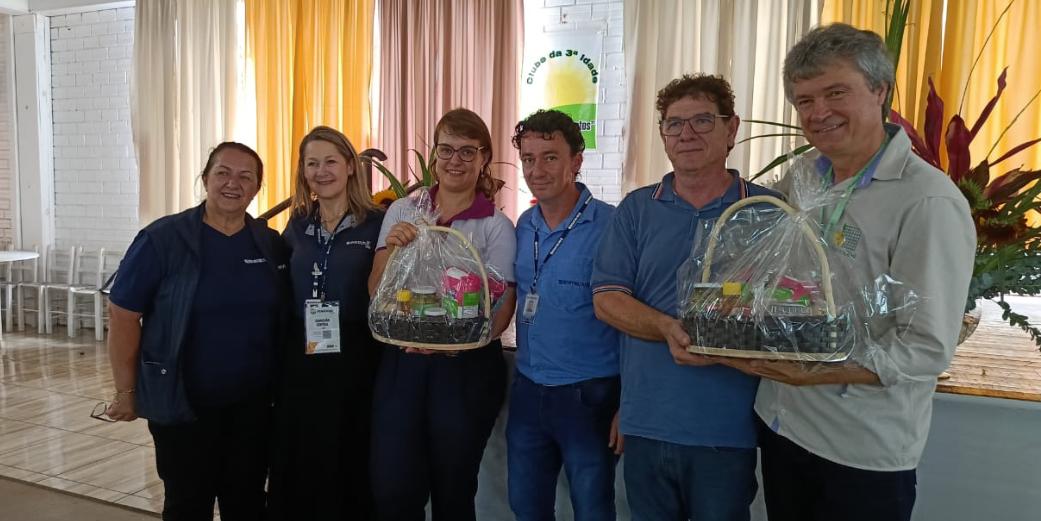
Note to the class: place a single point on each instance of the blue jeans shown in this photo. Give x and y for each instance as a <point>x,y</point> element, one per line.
<point>554,425</point>
<point>670,482</point>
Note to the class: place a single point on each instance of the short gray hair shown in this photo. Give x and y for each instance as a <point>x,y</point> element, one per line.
<point>822,46</point>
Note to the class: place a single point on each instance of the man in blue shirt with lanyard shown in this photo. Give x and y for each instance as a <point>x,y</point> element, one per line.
<point>690,433</point>
<point>565,394</point>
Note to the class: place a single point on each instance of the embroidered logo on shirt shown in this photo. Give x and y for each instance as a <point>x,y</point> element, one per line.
<point>255,261</point>
<point>578,283</point>
<point>366,244</point>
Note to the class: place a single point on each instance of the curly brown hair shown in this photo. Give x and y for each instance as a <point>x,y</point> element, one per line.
<point>711,87</point>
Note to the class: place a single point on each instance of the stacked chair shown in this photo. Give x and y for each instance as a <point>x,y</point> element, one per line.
<point>68,287</point>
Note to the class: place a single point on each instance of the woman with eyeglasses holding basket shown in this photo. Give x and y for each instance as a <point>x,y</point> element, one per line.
<point>433,412</point>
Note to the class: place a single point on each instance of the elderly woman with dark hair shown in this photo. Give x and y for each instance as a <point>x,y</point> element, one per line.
<point>433,413</point>
<point>196,315</point>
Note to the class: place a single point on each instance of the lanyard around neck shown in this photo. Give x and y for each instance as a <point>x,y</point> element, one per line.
<point>325,248</point>
<point>840,207</point>
<point>556,246</point>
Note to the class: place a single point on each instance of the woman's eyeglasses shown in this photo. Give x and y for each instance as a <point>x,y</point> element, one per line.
<point>466,153</point>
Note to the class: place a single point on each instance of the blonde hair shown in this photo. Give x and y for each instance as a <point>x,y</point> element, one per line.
<point>359,201</point>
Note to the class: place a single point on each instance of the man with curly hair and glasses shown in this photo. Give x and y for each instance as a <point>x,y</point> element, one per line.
<point>690,432</point>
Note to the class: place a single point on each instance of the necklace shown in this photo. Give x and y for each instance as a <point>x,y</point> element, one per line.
<point>336,217</point>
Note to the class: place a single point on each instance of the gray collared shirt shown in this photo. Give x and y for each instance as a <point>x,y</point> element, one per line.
<point>913,224</point>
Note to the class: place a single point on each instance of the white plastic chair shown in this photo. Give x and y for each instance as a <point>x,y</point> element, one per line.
<point>27,280</point>
<point>57,278</point>
<point>92,270</point>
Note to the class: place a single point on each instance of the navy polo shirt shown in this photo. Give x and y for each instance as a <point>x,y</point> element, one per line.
<point>229,345</point>
<point>564,343</point>
<point>647,241</point>
<point>350,261</point>
<point>349,372</point>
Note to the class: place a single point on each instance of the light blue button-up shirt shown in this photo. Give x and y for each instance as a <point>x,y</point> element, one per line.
<point>564,342</point>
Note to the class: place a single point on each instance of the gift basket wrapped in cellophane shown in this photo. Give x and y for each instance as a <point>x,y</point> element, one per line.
<point>768,280</point>
<point>436,293</point>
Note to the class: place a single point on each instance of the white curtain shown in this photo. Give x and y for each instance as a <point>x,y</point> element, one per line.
<point>182,96</point>
<point>742,40</point>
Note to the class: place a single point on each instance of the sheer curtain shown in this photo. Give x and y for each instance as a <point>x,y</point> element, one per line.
<point>437,55</point>
<point>182,96</point>
<point>313,62</point>
<point>745,42</point>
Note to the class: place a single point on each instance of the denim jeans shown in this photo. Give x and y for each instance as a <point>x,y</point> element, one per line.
<point>670,482</point>
<point>567,425</point>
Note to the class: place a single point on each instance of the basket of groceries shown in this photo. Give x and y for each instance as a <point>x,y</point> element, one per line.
<point>760,286</point>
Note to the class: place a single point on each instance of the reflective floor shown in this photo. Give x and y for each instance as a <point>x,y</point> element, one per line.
<point>48,386</point>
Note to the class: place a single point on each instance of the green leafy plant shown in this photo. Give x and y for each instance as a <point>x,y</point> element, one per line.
<point>398,187</point>
<point>1008,249</point>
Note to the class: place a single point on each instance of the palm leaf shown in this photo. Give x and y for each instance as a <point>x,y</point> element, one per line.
<point>780,160</point>
<point>749,138</point>
<point>399,189</point>
<point>773,123</point>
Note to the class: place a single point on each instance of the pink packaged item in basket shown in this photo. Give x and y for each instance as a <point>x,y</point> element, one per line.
<point>461,293</point>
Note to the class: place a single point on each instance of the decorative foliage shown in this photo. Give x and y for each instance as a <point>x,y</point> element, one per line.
<point>399,189</point>
<point>1008,251</point>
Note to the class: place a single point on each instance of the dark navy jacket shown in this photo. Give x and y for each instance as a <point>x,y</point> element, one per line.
<point>160,392</point>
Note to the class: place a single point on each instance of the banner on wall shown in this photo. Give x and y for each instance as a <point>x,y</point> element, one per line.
<point>562,72</point>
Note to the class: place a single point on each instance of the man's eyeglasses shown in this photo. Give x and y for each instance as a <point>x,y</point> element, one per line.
<point>699,123</point>
<point>99,413</point>
<point>466,153</point>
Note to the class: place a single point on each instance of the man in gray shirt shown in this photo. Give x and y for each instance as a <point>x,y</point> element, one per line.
<point>843,441</point>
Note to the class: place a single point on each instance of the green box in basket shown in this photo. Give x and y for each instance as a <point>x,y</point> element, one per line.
<point>466,309</point>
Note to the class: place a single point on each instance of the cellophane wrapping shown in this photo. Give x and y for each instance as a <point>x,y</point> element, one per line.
<point>433,291</point>
<point>775,285</point>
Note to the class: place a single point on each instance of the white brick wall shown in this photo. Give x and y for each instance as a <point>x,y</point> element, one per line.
<point>7,144</point>
<point>95,171</point>
<point>602,168</point>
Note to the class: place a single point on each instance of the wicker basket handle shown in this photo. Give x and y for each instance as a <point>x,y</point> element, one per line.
<point>717,228</point>
<point>473,251</point>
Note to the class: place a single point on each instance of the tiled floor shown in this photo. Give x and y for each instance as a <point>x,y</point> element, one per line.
<point>48,386</point>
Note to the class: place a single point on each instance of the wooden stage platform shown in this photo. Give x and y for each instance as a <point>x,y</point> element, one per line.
<point>998,361</point>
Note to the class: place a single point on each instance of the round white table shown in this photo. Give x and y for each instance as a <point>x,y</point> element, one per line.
<point>14,256</point>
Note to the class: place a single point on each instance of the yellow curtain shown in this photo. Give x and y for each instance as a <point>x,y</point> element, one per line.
<point>1014,44</point>
<point>313,63</point>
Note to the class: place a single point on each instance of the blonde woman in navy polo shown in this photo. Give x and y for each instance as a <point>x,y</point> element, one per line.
<point>319,469</point>
<point>433,413</point>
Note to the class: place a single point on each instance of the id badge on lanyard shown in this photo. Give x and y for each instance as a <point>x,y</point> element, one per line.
<point>531,306</point>
<point>322,321</point>
<point>322,317</point>
<point>531,301</point>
